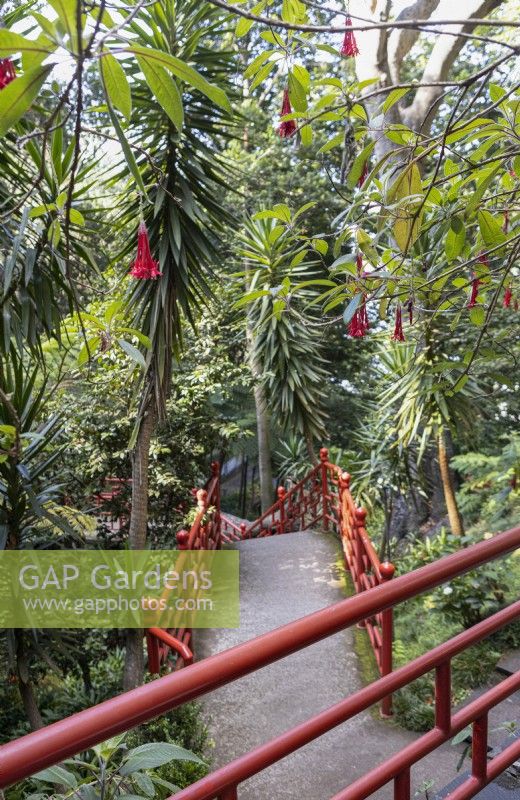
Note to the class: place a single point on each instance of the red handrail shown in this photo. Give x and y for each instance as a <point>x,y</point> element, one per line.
<point>50,745</point>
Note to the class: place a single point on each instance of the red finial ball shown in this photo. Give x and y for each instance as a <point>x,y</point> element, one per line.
<point>280,492</point>
<point>361,515</point>
<point>182,537</point>
<point>324,454</point>
<point>243,530</point>
<point>345,479</point>
<point>386,570</point>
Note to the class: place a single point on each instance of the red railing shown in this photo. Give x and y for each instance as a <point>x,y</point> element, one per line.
<point>52,744</point>
<point>204,534</point>
<point>323,498</point>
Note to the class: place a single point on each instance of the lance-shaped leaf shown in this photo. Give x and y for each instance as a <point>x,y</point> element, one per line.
<point>116,84</point>
<point>406,193</point>
<point>182,71</point>
<point>165,90</point>
<point>16,98</point>
<point>11,42</point>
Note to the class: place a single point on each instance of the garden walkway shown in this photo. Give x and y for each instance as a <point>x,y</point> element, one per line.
<point>283,578</point>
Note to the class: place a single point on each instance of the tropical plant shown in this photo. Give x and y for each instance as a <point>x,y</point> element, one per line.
<point>286,334</point>
<point>112,771</point>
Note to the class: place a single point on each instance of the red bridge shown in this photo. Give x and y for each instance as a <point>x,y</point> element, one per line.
<point>329,746</point>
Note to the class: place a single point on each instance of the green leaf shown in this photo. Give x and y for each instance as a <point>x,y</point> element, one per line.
<point>16,98</point>
<point>490,229</point>
<point>408,222</point>
<point>297,93</point>
<point>243,27</point>
<point>132,352</point>
<point>351,308</point>
<point>11,42</point>
<point>320,245</point>
<point>393,98</point>
<point>57,775</point>
<point>127,150</point>
<point>155,754</point>
<point>306,135</point>
<point>496,92</point>
<point>88,349</point>
<point>116,84</point>
<point>477,315</point>
<point>455,239</point>
<point>262,74</point>
<point>165,90</point>
<point>66,11</point>
<point>358,165</point>
<point>182,71</point>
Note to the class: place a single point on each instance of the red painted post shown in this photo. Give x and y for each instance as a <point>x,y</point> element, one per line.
<point>324,457</point>
<point>479,748</point>
<point>215,473</point>
<point>359,525</point>
<point>182,539</point>
<point>443,697</point>
<point>229,794</point>
<point>243,531</point>
<point>154,661</point>
<point>402,785</point>
<point>386,572</point>
<point>281,497</point>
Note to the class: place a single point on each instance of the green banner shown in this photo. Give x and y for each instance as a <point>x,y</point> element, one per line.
<point>119,589</point>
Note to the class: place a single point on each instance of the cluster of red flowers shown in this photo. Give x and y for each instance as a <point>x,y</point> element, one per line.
<point>7,72</point>
<point>144,266</point>
<point>287,128</point>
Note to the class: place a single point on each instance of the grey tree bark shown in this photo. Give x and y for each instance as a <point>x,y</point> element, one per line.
<point>134,656</point>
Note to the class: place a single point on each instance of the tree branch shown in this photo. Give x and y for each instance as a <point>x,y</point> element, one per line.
<point>445,50</point>
<point>401,40</point>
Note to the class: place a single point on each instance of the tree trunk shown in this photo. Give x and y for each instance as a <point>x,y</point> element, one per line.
<point>454,516</point>
<point>134,657</point>
<point>265,470</point>
<point>25,684</point>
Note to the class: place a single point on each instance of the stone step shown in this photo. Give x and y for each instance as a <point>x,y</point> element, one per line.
<point>509,663</point>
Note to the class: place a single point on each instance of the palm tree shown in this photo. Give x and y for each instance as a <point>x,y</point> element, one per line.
<point>182,171</point>
<point>286,340</point>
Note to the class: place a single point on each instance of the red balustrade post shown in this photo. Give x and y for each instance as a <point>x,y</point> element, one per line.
<point>243,531</point>
<point>281,497</point>
<point>386,572</point>
<point>479,747</point>
<point>215,472</point>
<point>202,505</point>
<point>154,660</point>
<point>402,785</point>
<point>182,539</point>
<point>324,457</point>
<point>443,697</point>
<point>359,525</point>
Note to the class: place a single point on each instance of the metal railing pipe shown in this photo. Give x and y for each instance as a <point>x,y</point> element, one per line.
<point>62,739</point>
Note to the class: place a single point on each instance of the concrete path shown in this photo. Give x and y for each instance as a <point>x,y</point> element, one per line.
<point>284,578</point>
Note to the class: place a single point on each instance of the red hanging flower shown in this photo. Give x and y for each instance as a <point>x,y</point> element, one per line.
<point>483,259</point>
<point>144,266</point>
<point>505,226</point>
<point>508,296</point>
<point>358,325</point>
<point>7,72</point>
<point>398,335</point>
<point>475,283</point>
<point>286,128</point>
<point>364,175</point>
<point>350,48</point>
<point>359,262</point>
